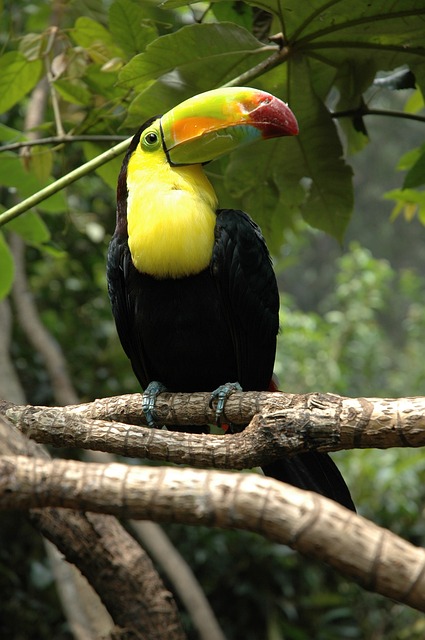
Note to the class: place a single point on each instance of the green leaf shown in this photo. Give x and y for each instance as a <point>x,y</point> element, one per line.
<point>40,162</point>
<point>96,40</point>
<point>158,98</point>
<point>252,179</point>
<point>14,175</point>
<point>31,227</point>
<point>415,177</point>
<point>6,267</point>
<point>353,78</point>
<point>318,157</point>
<point>128,25</point>
<point>109,171</point>
<point>236,12</point>
<point>18,77</point>
<point>219,48</point>
<point>409,202</point>
<point>74,92</point>
<point>7,134</point>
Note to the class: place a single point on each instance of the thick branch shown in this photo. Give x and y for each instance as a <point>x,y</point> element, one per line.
<point>313,525</point>
<point>181,576</point>
<point>114,564</point>
<point>281,425</point>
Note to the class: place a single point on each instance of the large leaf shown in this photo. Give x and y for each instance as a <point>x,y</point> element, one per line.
<point>319,157</point>
<point>268,179</point>
<point>208,50</point>
<point>18,77</point>
<point>128,26</point>
<point>180,61</point>
<point>96,40</point>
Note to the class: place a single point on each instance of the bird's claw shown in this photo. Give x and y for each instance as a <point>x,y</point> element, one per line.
<point>220,396</point>
<point>149,397</point>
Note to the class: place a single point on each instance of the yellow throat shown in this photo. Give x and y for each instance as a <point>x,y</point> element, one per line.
<point>170,216</point>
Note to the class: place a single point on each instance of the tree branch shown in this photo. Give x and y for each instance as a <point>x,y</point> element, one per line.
<point>114,564</point>
<point>279,425</point>
<point>181,576</point>
<point>313,525</point>
<point>63,182</point>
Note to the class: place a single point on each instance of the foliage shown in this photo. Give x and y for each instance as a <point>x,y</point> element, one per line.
<point>106,74</point>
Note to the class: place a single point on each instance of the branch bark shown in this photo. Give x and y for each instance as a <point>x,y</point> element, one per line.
<point>114,564</point>
<point>279,425</point>
<point>313,525</point>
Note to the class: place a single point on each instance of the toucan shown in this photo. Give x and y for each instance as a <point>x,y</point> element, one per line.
<point>192,287</point>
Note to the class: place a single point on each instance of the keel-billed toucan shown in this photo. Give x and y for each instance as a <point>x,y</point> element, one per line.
<point>192,288</point>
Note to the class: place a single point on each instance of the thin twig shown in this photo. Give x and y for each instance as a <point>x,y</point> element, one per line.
<point>364,110</point>
<point>59,140</point>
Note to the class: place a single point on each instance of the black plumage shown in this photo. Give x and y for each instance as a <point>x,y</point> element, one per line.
<point>198,332</point>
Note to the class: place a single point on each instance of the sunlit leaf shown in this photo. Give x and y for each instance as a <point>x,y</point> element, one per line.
<point>195,48</point>
<point>97,40</point>
<point>415,177</point>
<point>409,202</point>
<point>18,77</point>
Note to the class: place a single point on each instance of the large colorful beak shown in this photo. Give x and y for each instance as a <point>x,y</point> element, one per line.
<point>216,122</point>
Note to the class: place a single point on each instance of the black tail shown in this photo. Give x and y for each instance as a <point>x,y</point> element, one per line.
<point>312,471</point>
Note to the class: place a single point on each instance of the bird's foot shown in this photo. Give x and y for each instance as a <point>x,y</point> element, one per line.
<point>150,395</point>
<point>220,396</point>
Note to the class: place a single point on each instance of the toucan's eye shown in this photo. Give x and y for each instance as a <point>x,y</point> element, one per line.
<point>150,140</point>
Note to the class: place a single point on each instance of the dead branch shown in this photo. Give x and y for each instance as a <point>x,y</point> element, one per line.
<point>315,526</point>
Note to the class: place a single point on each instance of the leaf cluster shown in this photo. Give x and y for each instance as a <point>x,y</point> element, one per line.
<point>109,67</point>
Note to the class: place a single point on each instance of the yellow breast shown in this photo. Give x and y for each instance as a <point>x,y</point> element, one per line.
<point>170,216</point>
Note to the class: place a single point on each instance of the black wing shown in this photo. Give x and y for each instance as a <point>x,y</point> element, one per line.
<point>122,284</point>
<point>247,286</point>
<point>242,270</point>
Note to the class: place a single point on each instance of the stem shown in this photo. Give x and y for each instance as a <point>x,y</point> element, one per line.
<point>63,182</point>
<point>65,139</point>
<point>53,95</point>
<point>278,57</point>
<point>365,111</point>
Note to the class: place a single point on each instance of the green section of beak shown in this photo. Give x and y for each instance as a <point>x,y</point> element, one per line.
<point>216,122</point>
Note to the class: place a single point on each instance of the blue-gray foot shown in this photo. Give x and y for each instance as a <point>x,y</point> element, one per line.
<point>220,396</point>
<point>150,395</point>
